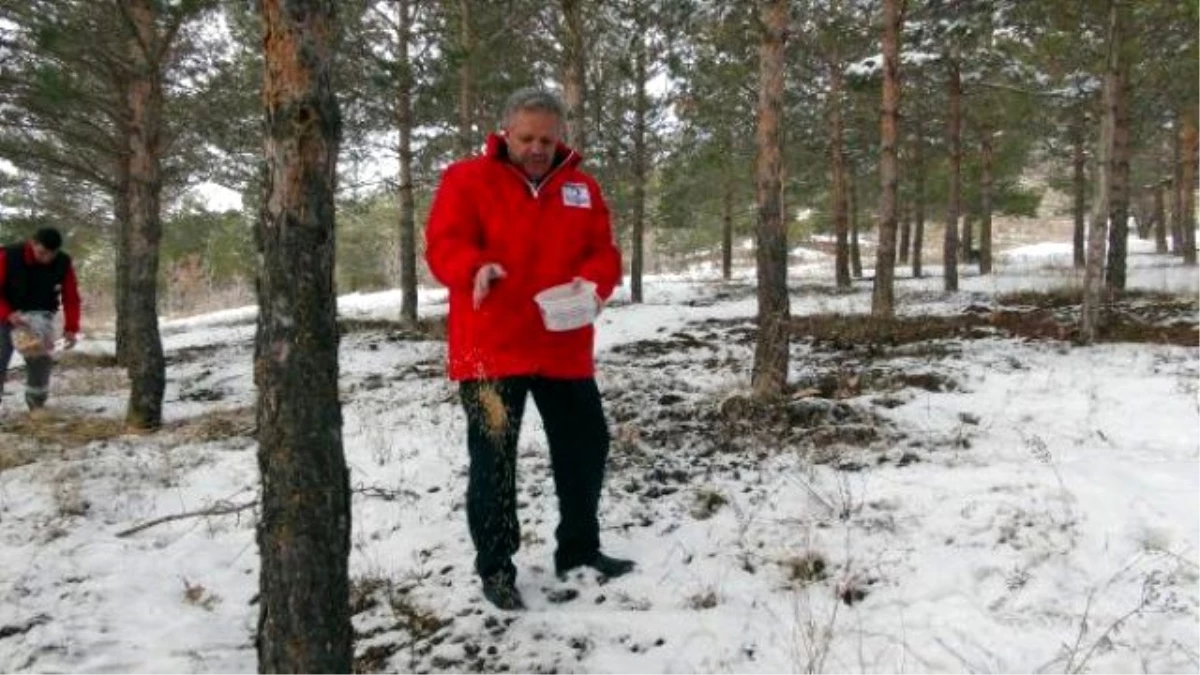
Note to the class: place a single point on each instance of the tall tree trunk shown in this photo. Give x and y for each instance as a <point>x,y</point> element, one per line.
<point>1079,181</point>
<point>906,217</point>
<point>985,188</point>
<point>1160,219</point>
<point>727,230</point>
<point>1093,277</point>
<point>147,366</point>
<point>883,299</point>
<point>851,182</point>
<point>574,73</point>
<point>1177,191</point>
<point>466,79</point>
<point>304,532</point>
<point>770,370</point>
<point>1191,144</point>
<point>954,140</point>
<point>918,243</point>
<point>405,121</point>
<point>640,161</point>
<point>1119,192</point>
<point>837,173</point>
<point>121,258</point>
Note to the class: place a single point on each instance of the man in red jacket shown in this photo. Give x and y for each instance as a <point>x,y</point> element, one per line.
<point>34,276</point>
<point>519,219</point>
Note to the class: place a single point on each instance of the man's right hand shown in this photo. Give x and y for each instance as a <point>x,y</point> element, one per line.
<point>488,273</point>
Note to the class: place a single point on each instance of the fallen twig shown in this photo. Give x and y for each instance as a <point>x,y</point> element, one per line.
<point>218,509</point>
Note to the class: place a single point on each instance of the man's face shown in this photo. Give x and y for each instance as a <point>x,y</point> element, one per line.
<point>42,254</point>
<point>532,136</point>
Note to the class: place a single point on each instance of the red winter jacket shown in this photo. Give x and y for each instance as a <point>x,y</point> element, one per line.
<point>486,211</point>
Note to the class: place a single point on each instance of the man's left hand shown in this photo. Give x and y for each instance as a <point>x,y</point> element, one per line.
<point>69,340</point>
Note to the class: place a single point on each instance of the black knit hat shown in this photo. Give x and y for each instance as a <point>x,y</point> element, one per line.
<point>49,237</point>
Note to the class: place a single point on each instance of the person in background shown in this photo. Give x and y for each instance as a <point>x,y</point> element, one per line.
<point>521,218</point>
<point>35,277</point>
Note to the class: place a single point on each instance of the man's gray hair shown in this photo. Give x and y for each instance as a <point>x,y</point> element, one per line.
<point>533,98</point>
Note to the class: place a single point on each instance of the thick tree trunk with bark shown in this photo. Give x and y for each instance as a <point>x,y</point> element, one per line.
<point>304,532</point>
<point>954,140</point>
<point>769,377</point>
<point>1093,277</point>
<point>1119,191</point>
<point>640,162</point>
<point>574,73</point>
<point>405,121</point>
<point>1079,182</point>
<point>883,298</point>
<point>837,174</point>
<point>985,189</point>
<point>147,365</point>
<point>1190,146</point>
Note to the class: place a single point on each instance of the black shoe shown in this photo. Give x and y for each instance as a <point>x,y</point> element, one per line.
<point>501,590</point>
<point>608,567</point>
<point>35,401</point>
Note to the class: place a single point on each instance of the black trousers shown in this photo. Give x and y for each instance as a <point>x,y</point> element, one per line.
<point>578,437</point>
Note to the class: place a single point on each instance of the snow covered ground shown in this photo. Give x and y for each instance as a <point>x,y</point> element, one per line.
<point>1031,508</point>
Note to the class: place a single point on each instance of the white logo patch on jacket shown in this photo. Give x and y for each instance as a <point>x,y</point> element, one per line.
<point>577,195</point>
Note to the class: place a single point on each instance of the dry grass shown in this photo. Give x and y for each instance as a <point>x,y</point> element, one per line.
<point>60,429</point>
<point>13,455</point>
<point>91,382</point>
<point>63,429</point>
<point>216,425</point>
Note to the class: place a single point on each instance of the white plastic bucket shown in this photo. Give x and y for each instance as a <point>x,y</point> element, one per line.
<point>568,306</point>
<point>36,337</point>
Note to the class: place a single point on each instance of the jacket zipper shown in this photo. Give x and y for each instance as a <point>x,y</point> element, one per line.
<point>535,190</point>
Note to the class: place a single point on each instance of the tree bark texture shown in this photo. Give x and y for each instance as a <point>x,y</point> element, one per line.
<point>856,268</point>
<point>1119,191</point>
<point>405,121</point>
<point>837,174</point>
<point>304,531</point>
<point>574,73</point>
<point>466,79</point>
<point>883,298</point>
<point>770,370</point>
<point>954,141</point>
<point>985,190</point>
<point>640,162</point>
<point>918,242</point>
<point>1190,146</point>
<point>1160,219</point>
<point>1177,191</point>
<point>1079,182</point>
<point>1093,277</point>
<point>147,365</point>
